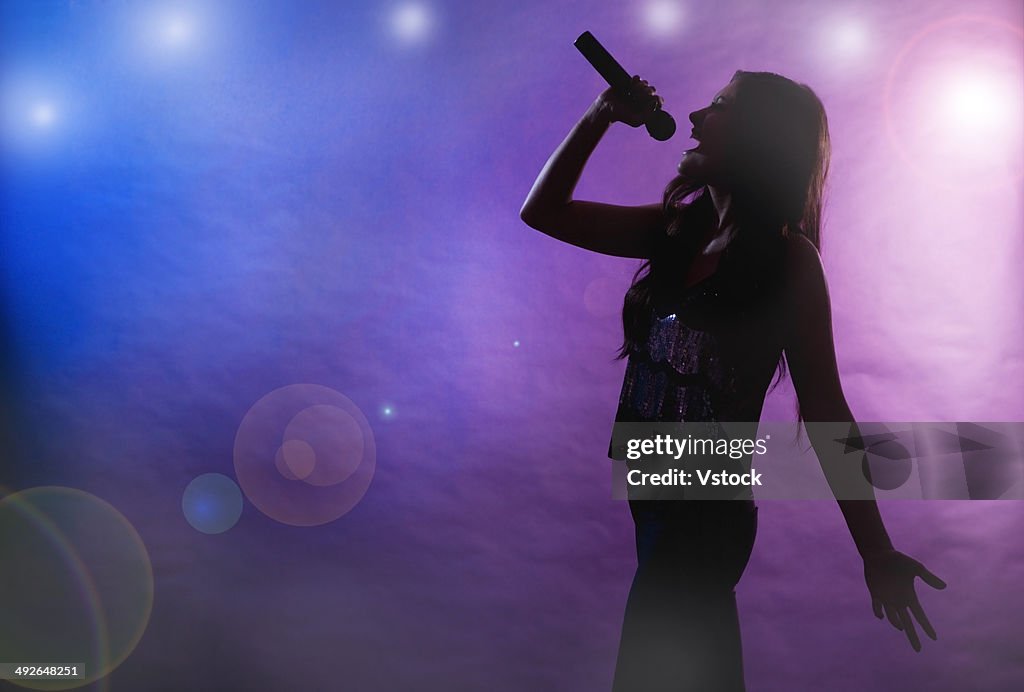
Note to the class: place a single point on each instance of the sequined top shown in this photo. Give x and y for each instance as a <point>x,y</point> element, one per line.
<point>697,365</point>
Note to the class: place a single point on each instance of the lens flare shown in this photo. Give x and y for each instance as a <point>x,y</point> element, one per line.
<point>212,503</point>
<point>304,455</point>
<point>77,586</point>
<point>953,103</point>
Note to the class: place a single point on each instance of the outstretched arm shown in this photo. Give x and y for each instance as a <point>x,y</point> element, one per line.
<point>810,353</point>
<point>610,229</point>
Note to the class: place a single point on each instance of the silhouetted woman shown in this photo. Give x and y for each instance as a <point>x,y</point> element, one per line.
<point>732,291</point>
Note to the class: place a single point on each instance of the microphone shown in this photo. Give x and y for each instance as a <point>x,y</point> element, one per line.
<point>660,124</point>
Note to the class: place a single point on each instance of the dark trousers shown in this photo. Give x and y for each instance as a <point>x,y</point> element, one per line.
<point>681,630</point>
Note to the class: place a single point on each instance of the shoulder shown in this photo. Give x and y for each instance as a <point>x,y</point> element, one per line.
<point>806,293</point>
<point>804,270</point>
<point>802,257</point>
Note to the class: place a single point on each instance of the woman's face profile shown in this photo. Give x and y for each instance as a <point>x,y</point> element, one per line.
<point>712,128</point>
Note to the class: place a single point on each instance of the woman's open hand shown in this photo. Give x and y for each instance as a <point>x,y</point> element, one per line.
<point>890,579</point>
<point>633,110</point>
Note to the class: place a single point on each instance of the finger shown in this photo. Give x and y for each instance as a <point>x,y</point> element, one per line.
<point>890,613</point>
<point>908,628</point>
<point>929,578</point>
<point>918,611</point>
<point>876,606</point>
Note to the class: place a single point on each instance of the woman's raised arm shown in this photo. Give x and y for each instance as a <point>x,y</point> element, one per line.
<point>609,229</point>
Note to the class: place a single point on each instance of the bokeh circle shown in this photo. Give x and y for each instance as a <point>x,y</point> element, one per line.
<point>304,454</point>
<point>212,503</point>
<point>76,585</point>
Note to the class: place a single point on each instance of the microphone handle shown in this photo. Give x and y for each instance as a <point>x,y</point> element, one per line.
<point>606,66</point>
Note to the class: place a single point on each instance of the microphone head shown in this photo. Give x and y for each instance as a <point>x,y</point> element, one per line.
<point>661,125</point>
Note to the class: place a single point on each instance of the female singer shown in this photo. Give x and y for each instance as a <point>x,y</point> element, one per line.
<point>732,290</point>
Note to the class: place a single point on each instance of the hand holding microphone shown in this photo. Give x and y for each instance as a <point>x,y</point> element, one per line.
<point>632,109</point>
<point>628,100</point>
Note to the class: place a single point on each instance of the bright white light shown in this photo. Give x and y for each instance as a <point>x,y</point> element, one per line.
<point>976,103</point>
<point>178,34</point>
<point>969,116</point>
<point>849,39</point>
<point>412,22</point>
<point>176,30</point>
<point>954,104</point>
<point>43,115</point>
<point>663,17</point>
<point>39,113</point>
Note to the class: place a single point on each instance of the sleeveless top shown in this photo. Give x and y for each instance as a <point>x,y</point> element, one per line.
<point>701,362</point>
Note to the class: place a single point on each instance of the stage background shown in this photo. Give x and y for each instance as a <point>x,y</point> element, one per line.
<point>204,203</point>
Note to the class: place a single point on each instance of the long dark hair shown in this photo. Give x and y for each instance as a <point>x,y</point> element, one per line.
<point>780,163</point>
